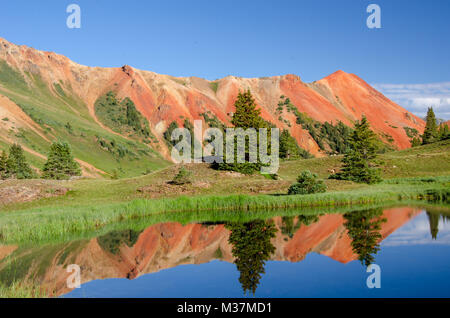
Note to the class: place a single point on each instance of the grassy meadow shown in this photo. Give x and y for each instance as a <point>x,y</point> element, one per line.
<point>92,205</point>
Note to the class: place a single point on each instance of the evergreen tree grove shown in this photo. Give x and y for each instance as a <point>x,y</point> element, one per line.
<point>359,161</point>
<point>60,163</point>
<point>430,134</point>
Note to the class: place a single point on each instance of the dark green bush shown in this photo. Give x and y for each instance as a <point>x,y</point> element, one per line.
<point>183,177</point>
<point>307,183</point>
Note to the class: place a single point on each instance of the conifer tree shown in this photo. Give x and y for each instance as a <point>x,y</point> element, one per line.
<point>443,132</point>
<point>430,134</point>
<point>247,116</point>
<point>360,160</point>
<point>289,149</point>
<point>16,165</point>
<point>60,163</point>
<point>3,166</point>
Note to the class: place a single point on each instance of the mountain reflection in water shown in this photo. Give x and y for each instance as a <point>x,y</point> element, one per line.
<point>356,236</point>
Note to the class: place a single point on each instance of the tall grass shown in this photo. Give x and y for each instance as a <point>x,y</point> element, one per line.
<point>60,223</point>
<point>22,290</point>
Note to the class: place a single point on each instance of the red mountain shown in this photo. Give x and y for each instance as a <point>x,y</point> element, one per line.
<point>162,98</point>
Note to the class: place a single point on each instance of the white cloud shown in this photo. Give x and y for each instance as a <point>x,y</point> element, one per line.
<point>417,232</point>
<point>418,97</point>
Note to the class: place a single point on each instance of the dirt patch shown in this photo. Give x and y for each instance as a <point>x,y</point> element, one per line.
<point>232,174</point>
<point>29,192</point>
<point>167,189</point>
<point>6,250</point>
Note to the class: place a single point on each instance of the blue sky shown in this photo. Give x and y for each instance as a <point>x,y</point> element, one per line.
<point>251,38</point>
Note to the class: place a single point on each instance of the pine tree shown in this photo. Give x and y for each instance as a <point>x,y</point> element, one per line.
<point>430,134</point>
<point>360,160</point>
<point>16,165</point>
<point>289,149</point>
<point>443,132</point>
<point>60,163</point>
<point>3,166</point>
<point>247,115</point>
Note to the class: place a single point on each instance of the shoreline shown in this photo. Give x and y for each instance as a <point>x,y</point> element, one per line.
<point>61,222</point>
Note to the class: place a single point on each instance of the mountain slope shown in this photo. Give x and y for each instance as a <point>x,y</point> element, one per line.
<point>54,91</point>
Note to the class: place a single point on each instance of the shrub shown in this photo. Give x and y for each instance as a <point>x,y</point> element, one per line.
<point>307,183</point>
<point>214,86</point>
<point>244,168</point>
<point>182,177</point>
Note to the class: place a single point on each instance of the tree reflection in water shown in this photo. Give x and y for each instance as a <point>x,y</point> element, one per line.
<point>433,219</point>
<point>291,224</point>
<point>252,247</point>
<point>364,230</point>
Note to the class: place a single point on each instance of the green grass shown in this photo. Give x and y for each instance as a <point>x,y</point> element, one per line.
<point>52,108</point>
<point>428,160</point>
<point>47,223</point>
<point>94,205</point>
<point>407,163</point>
<point>21,290</point>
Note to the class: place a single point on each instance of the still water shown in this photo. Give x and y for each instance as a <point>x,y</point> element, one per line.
<point>302,256</point>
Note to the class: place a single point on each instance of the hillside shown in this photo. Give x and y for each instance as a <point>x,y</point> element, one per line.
<point>45,96</point>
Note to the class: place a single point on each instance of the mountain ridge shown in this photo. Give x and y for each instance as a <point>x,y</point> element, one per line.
<point>163,99</point>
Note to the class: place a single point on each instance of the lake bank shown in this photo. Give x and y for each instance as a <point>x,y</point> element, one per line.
<point>59,222</point>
